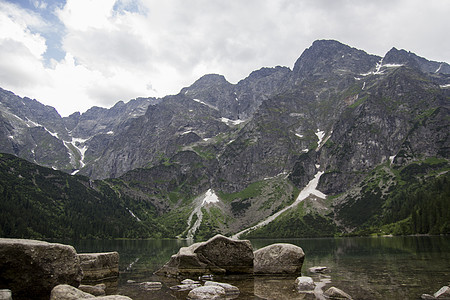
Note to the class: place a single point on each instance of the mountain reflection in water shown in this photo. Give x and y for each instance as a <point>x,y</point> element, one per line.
<point>365,268</point>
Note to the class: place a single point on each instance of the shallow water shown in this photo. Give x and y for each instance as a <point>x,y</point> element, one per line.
<point>365,268</point>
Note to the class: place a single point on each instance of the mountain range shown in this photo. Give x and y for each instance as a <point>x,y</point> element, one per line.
<point>345,142</point>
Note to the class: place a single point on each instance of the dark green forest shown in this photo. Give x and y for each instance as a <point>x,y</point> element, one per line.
<point>37,202</point>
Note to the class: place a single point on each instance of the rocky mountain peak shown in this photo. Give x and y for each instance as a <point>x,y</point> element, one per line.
<point>407,58</point>
<point>330,56</point>
<point>206,82</point>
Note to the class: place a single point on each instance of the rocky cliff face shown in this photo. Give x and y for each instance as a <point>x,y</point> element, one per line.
<point>340,113</point>
<point>39,134</point>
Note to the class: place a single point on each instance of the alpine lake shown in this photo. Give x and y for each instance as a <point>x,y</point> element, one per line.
<point>364,267</point>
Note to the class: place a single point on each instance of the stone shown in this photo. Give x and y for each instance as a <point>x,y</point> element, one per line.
<point>151,285</point>
<point>427,297</point>
<point>96,290</point>
<point>113,297</point>
<point>304,283</point>
<point>68,292</point>
<point>234,256</point>
<point>318,270</point>
<point>207,293</point>
<point>185,287</point>
<point>5,294</point>
<point>230,290</point>
<point>189,281</point>
<point>443,293</point>
<point>31,269</point>
<point>206,277</point>
<point>99,266</point>
<point>335,293</point>
<point>218,255</point>
<point>279,259</point>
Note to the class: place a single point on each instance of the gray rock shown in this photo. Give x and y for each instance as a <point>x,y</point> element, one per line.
<point>99,266</point>
<point>427,297</point>
<point>230,290</point>
<point>318,269</point>
<point>335,293</point>
<point>443,293</point>
<point>32,268</point>
<point>304,283</point>
<point>189,281</point>
<point>151,285</point>
<point>207,292</point>
<point>185,287</point>
<point>113,297</point>
<point>96,290</point>
<point>218,255</point>
<point>67,292</point>
<point>279,259</point>
<point>5,295</point>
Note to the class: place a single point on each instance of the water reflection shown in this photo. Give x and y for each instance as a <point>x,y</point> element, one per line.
<point>365,268</point>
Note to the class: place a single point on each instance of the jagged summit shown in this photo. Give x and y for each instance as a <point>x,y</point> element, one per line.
<point>407,58</point>
<point>325,56</point>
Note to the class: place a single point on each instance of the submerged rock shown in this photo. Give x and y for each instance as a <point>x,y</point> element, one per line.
<point>99,266</point>
<point>305,284</point>
<point>230,290</point>
<point>443,293</point>
<point>279,259</point>
<point>151,285</point>
<point>113,297</point>
<point>190,281</point>
<point>96,290</point>
<point>218,255</point>
<point>335,293</point>
<point>318,270</point>
<point>32,268</point>
<point>207,293</point>
<point>185,287</point>
<point>5,295</point>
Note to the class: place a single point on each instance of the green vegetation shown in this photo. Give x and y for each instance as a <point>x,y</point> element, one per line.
<point>296,223</point>
<point>414,199</point>
<point>213,220</point>
<point>37,202</point>
<point>251,191</point>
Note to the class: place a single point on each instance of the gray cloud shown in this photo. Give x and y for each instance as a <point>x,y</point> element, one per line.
<point>140,46</point>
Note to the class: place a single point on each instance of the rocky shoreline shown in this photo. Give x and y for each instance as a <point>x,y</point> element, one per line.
<point>39,270</point>
<point>31,269</point>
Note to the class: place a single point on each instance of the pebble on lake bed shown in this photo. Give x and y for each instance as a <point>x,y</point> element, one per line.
<point>443,293</point>
<point>150,285</point>
<point>230,290</point>
<point>335,293</point>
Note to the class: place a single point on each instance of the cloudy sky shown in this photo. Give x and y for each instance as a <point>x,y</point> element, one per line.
<point>74,54</point>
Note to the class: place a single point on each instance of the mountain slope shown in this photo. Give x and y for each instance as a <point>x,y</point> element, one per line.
<point>370,129</point>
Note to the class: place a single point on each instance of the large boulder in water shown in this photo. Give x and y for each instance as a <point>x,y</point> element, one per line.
<point>279,259</point>
<point>218,255</point>
<point>30,269</point>
<point>99,266</point>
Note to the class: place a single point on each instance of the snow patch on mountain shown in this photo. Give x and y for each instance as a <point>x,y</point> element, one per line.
<point>309,189</point>
<point>208,198</point>
<point>204,103</point>
<point>231,122</point>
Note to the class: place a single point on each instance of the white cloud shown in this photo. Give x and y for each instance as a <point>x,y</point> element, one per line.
<point>118,50</point>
